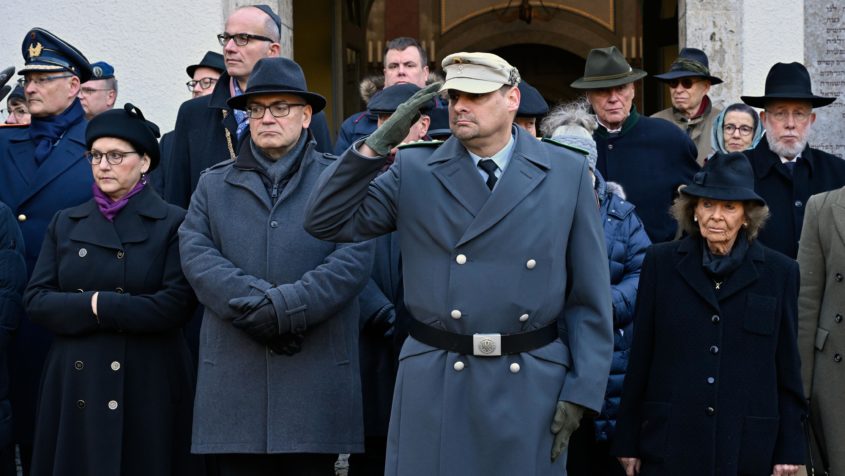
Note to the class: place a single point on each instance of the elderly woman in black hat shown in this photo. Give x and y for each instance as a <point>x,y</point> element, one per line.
<point>714,382</point>
<point>117,387</point>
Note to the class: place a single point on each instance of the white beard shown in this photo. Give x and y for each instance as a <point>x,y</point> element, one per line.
<point>788,151</point>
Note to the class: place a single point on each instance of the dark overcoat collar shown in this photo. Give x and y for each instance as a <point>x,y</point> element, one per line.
<point>689,266</point>
<point>454,168</point>
<point>131,225</point>
<point>766,162</point>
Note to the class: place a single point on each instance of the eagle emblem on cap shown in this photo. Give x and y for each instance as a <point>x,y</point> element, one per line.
<point>35,50</point>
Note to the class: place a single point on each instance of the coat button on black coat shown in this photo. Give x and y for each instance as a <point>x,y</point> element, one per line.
<point>80,404</point>
<point>715,319</point>
<point>79,365</point>
<point>714,349</point>
<point>838,318</point>
<point>711,380</point>
<point>120,254</point>
<point>839,277</point>
<point>274,224</point>
<point>710,411</point>
<point>837,358</point>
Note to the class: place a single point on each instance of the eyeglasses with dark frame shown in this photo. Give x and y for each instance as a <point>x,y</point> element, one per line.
<point>204,83</point>
<point>744,131</point>
<point>89,91</point>
<point>277,109</point>
<point>685,82</point>
<point>800,117</point>
<point>113,157</point>
<point>241,39</point>
<point>24,82</point>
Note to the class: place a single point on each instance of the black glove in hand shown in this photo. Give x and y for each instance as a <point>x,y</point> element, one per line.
<point>565,422</point>
<point>257,317</point>
<point>286,344</point>
<point>395,129</point>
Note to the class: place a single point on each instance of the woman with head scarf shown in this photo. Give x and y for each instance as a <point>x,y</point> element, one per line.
<point>117,387</point>
<point>736,129</point>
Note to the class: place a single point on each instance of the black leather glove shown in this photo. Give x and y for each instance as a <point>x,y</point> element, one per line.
<point>395,129</point>
<point>257,317</point>
<point>566,420</point>
<point>286,344</point>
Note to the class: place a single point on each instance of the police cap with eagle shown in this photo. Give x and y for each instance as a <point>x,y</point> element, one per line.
<point>45,52</point>
<point>477,73</point>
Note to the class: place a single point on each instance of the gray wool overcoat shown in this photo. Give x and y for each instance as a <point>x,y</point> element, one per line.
<point>821,307</point>
<point>526,255</point>
<point>235,242</point>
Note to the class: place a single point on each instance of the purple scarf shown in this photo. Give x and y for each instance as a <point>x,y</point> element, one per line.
<point>108,207</point>
<point>45,131</point>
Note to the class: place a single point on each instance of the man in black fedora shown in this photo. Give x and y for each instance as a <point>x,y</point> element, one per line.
<point>649,157</point>
<point>689,81</point>
<point>786,169</point>
<point>204,75</point>
<point>208,131</point>
<point>278,385</point>
<point>532,108</point>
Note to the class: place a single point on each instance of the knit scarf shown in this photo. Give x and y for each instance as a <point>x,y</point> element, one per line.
<point>720,267</point>
<point>108,207</point>
<point>45,131</point>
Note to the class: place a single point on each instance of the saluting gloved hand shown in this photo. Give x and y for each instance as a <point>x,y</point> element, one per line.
<point>395,129</point>
<point>257,317</point>
<point>565,422</point>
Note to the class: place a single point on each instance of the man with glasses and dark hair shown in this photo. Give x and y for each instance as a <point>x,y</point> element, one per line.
<point>100,92</point>
<point>689,80</point>
<point>18,113</point>
<point>42,170</point>
<point>278,389</point>
<point>787,171</point>
<point>208,131</point>
<point>204,75</point>
<point>405,61</point>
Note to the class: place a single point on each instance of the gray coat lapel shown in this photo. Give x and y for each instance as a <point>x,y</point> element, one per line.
<point>459,176</point>
<point>838,212</point>
<point>526,170</point>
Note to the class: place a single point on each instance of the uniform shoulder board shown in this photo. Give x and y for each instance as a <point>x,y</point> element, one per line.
<point>566,146</point>
<point>421,143</point>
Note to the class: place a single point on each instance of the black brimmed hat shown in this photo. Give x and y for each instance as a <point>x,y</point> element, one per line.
<point>787,82</point>
<point>725,177</point>
<point>210,60</point>
<point>691,63</point>
<point>607,68</point>
<point>44,52</point>
<point>531,102</point>
<point>388,99</point>
<point>127,124</point>
<point>277,76</point>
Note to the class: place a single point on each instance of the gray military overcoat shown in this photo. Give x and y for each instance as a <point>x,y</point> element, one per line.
<point>529,254</point>
<point>234,242</point>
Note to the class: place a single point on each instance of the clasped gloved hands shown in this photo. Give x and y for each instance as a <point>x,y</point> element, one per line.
<point>565,422</point>
<point>396,128</point>
<point>257,317</point>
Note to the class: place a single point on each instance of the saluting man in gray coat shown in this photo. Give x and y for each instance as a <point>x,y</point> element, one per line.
<point>278,389</point>
<point>505,276</point>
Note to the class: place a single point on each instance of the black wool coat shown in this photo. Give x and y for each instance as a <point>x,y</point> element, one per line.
<point>787,194</point>
<point>714,381</point>
<point>116,394</point>
<point>200,141</point>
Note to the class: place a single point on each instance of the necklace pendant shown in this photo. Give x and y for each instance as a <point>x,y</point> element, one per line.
<point>718,284</point>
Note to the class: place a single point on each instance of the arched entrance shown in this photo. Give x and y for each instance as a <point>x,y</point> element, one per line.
<point>547,68</point>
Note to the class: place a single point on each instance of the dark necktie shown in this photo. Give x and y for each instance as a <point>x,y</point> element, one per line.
<point>489,167</point>
<point>790,166</point>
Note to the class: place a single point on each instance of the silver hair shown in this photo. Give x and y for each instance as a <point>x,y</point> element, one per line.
<point>571,116</point>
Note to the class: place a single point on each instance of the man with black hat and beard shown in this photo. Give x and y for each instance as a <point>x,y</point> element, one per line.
<point>278,386</point>
<point>786,169</point>
<point>650,158</point>
<point>42,170</point>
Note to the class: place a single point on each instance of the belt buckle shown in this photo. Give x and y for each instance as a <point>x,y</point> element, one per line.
<point>487,345</point>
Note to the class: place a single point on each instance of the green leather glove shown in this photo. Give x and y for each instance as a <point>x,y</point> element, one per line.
<point>395,129</point>
<point>565,422</point>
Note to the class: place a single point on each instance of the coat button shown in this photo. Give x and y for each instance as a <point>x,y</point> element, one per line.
<point>798,204</point>
<point>275,224</point>
<point>710,411</point>
<point>80,404</point>
<point>120,254</point>
<point>523,318</point>
<point>461,259</point>
<point>514,368</point>
<point>839,277</point>
<point>838,318</point>
<point>21,218</point>
<point>714,349</point>
<point>458,366</point>
<point>711,380</point>
<point>456,314</point>
<point>609,147</point>
<point>115,366</point>
<point>714,319</point>
<point>112,405</point>
<point>837,358</point>
<point>530,264</point>
<point>118,290</point>
<point>83,252</point>
<point>79,365</point>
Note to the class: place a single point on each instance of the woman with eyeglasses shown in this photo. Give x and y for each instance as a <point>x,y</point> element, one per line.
<point>736,129</point>
<point>117,387</point>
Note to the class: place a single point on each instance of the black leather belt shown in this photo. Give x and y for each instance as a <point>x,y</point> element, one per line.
<point>483,345</point>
